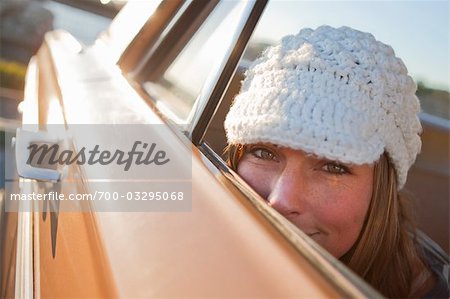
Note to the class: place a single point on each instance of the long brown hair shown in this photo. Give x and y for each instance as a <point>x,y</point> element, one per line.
<point>385,254</point>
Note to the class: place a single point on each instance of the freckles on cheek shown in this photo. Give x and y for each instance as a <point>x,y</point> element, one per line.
<point>340,187</point>
<point>341,222</point>
<point>343,212</point>
<point>256,178</point>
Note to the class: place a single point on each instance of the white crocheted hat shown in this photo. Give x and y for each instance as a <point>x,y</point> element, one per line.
<point>337,93</point>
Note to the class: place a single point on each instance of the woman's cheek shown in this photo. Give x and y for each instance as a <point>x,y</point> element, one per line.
<point>259,178</point>
<point>340,209</point>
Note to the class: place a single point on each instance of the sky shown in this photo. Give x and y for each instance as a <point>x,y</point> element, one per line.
<point>419,31</point>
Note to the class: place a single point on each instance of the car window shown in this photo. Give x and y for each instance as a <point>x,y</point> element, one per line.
<point>176,90</point>
<point>427,180</point>
<point>126,26</point>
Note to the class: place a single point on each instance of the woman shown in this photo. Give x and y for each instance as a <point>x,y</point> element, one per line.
<point>325,128</point>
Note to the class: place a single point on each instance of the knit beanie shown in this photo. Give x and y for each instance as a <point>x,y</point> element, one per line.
<point>334,92</point>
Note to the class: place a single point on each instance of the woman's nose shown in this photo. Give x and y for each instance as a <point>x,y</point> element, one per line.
<point>287,195</point>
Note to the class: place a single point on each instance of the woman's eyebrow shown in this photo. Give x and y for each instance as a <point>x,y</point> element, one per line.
<point>268,144</point>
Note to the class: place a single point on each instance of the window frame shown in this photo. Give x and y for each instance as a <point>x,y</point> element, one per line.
<point>149,34</point>
<point>171,42</point>
<point>156,59</point>
<point>217,87</point>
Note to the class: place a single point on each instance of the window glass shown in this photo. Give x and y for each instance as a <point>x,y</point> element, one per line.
<point>181,84</point>
<point>127,24</point>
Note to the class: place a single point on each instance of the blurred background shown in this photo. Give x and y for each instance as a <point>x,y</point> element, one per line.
<point>23,24</point>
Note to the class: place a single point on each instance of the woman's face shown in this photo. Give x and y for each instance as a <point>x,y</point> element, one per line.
<point>326,199</point>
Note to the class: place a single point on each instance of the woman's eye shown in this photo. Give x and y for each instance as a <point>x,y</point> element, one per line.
<point>262,153</point>
<point>335,168</point>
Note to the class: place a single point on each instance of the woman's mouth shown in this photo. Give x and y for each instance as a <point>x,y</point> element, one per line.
<point>312,234</point>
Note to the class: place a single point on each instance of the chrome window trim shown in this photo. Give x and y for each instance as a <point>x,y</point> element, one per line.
<point>25,276</point>
<point>217,82</point>
<point>192,13</point>
<point>216,85</point>
<point>149,37</point>
<point>157,59</point>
